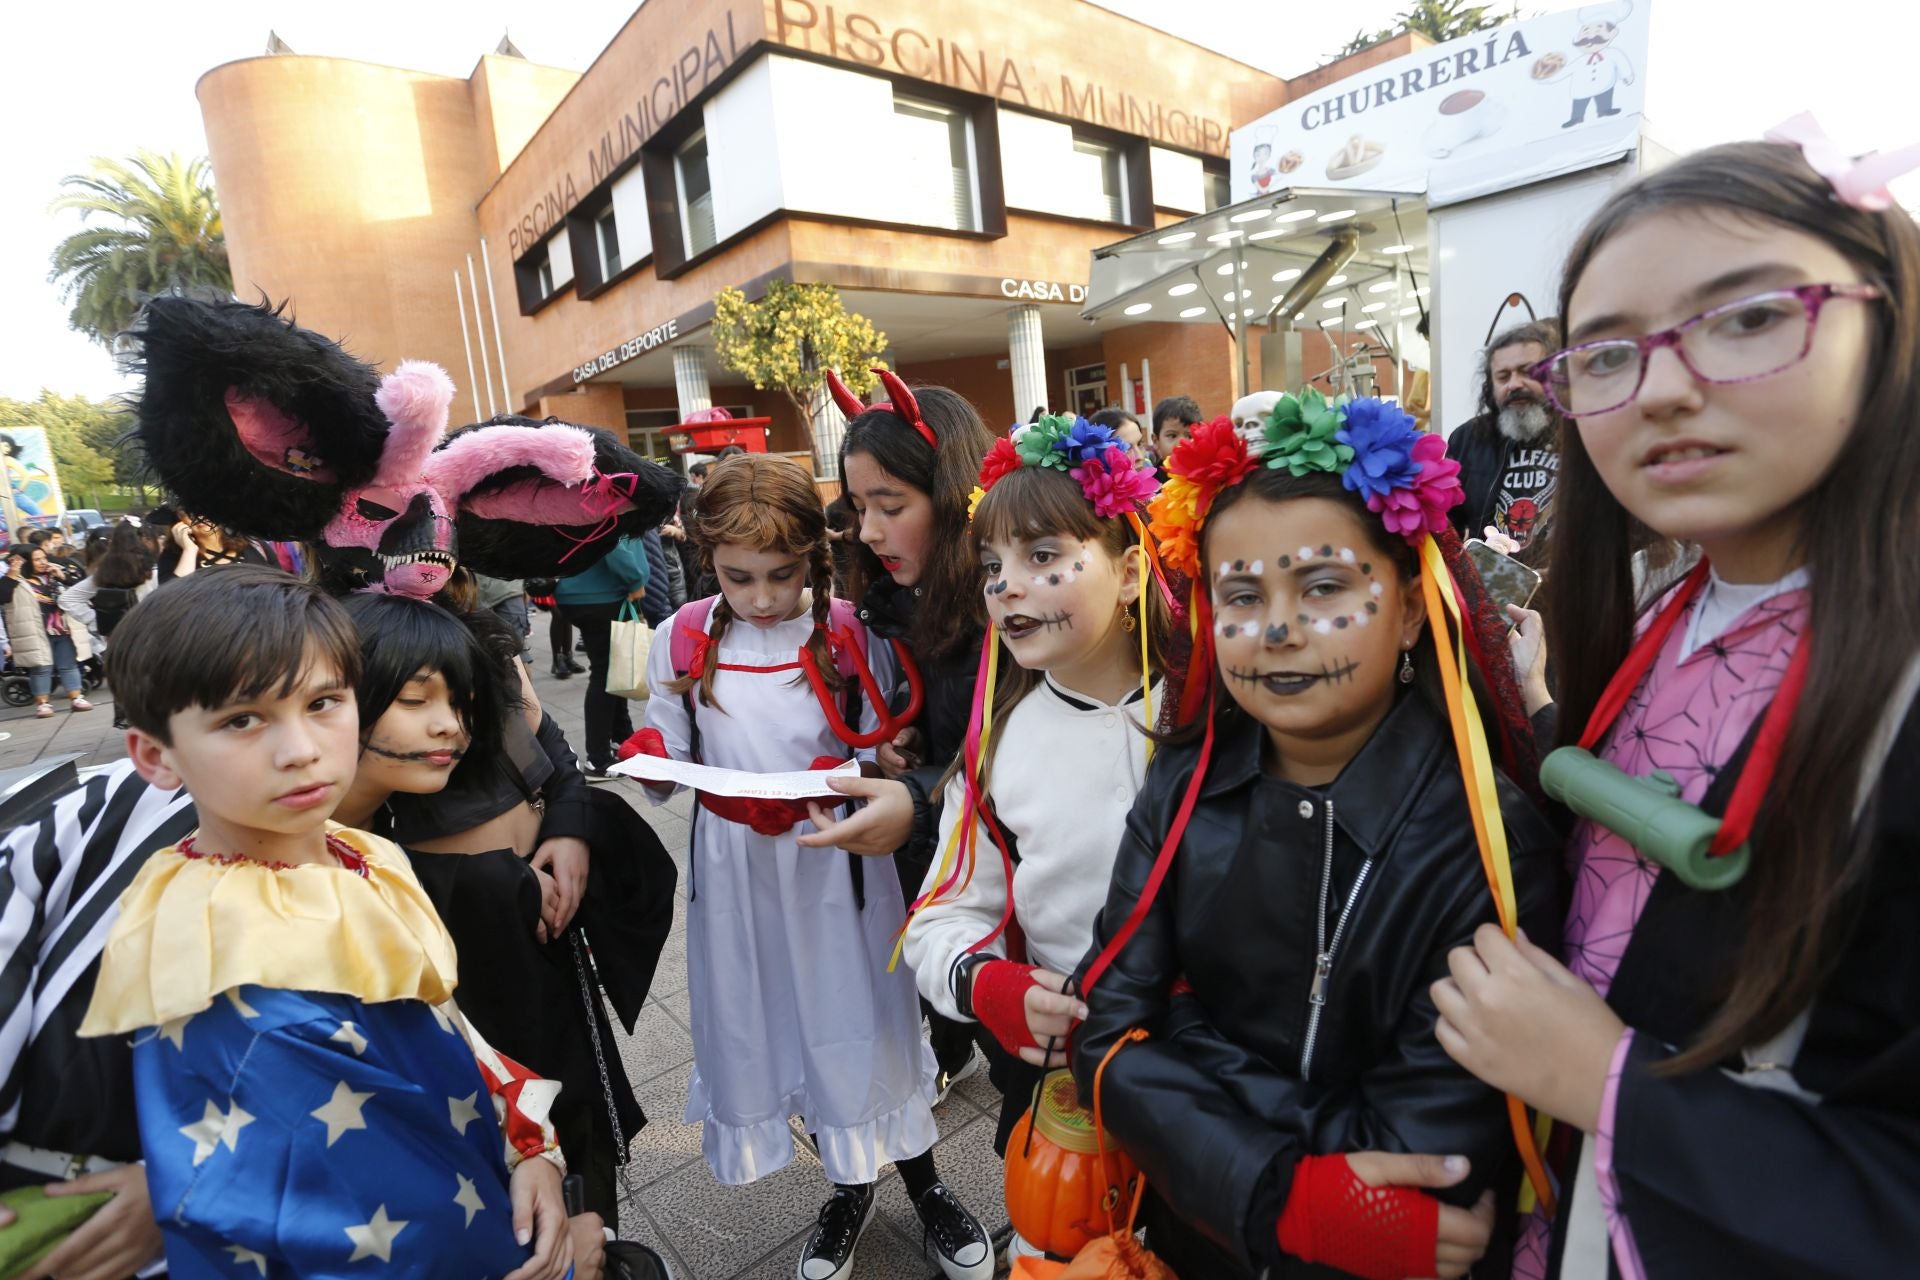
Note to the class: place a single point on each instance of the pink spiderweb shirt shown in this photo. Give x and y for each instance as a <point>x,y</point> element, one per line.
<point>1686,718</point>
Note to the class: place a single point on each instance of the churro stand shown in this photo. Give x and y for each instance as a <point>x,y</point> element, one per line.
<point>1384,226</point>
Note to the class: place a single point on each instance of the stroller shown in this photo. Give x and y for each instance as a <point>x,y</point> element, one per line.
<point>17,691</point>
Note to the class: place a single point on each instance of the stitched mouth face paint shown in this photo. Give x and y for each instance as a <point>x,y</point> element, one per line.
<point>1291,684</point>
<point>451,755</point>
<point>1018,626</point>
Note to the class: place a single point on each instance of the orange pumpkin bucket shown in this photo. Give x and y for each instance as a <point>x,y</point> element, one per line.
<point>1058,1195</point>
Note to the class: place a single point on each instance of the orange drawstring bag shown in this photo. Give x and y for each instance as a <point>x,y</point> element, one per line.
<point>1116,1255</point>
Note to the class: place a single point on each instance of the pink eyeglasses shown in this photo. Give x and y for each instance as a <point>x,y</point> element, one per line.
<point>1737,342</point>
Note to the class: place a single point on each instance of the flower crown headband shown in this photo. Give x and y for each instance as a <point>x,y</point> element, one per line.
<point>1376,449</point>
<point>1090,454</point>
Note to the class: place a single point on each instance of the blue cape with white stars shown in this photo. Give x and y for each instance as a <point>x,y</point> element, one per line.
<point>292,1133</point>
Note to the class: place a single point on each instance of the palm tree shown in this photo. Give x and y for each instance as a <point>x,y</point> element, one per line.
<point>1438,20</point>
<point>165,237</point>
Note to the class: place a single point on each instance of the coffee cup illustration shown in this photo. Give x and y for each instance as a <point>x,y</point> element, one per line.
<point>1465,116</point>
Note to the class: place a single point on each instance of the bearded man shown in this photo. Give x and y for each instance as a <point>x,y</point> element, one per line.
<point>1509,455</point>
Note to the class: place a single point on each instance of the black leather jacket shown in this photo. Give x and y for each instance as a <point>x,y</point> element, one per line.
<point>1238,1078</point>
<point>888,610</point>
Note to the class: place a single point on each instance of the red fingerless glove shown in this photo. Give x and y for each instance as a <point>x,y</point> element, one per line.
<point>646,742</point>
<point>1000,1002</point>
<point>1334,1218</point>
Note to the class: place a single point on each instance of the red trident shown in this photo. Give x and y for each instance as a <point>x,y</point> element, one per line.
<point>891,723</point>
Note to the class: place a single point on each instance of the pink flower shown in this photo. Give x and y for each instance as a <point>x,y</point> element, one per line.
<point>1112,485</point>
<point>1421,508</point>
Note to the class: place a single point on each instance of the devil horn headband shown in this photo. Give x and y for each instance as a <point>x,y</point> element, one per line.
<point>900,403</point>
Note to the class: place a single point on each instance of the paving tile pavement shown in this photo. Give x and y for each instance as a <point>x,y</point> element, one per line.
<point>705,1230</point>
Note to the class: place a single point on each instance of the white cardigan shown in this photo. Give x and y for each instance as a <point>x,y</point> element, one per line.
<point>1064,776</point>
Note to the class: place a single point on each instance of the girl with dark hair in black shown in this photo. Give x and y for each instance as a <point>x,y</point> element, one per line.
<point>443,728</point>
<point>1732,1042</point>
<point>908,469</point>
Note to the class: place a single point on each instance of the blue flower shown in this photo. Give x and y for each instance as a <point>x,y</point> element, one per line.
<point>1085,441</point>
<point>1382,439</point>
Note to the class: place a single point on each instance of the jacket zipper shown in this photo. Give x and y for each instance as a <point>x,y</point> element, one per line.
<point>1327,950</point>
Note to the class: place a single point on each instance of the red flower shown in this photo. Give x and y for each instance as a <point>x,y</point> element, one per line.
<point>1213,457</point>
<point>1000,460</point>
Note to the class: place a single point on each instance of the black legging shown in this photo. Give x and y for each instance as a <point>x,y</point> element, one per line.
<point>607,718</point>
<point>560,637</point>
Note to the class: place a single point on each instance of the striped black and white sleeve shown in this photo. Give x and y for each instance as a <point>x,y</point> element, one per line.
<point>62,872</point>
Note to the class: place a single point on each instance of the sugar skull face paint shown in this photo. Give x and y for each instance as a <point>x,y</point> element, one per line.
<point>1054,599</point>
<point>1309,645</point>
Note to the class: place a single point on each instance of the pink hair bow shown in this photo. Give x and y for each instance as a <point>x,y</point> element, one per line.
<point>1861,183</point>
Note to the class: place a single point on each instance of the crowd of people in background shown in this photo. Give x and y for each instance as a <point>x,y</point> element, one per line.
<point>1199,776</point>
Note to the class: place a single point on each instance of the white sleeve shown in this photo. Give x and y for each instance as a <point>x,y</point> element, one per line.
<point>77,601</point>
<point>938,935</point>
<point>666,711</point>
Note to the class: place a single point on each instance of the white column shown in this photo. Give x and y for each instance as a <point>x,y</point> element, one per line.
<point>690,380</point>
<point>1027,349</point>
<point>829,428</point>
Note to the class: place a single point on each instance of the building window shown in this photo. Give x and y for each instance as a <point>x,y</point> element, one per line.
<point>545,271</point>
<point>1100,179</point>
<point>1217,189</point>
<point>696,196</point>
<point>933,165</point>
<point>606,234</point>
<point>1087,389</point>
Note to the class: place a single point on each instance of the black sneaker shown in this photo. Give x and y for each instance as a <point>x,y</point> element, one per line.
<point>577,668</point>
<point>598,773</point>
<point>959,1243</point>
<point>944,1082</point>
<point>561,671</point>
<point>843,1219</point>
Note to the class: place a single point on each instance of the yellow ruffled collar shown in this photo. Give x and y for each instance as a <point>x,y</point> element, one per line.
<point>192,928</point>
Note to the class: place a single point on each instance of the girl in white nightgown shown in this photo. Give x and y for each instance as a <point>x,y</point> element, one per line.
<point>793,1010</point>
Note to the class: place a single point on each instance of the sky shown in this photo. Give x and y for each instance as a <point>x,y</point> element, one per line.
<point>124,79</point>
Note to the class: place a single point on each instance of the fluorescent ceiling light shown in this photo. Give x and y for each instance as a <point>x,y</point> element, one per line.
<point>1139,308</point>
<point>1178,237</point>
<point>1291,273</point>
<point>1398,248</point>
<point>1191,312</point>
<point>1385,286</point>
<point>1295,215</point>
<point>1336,215</point>
<point>1182,290</point>
<point>1251,215</point>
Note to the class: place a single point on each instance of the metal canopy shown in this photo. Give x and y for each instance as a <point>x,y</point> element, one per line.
<point>1236,265</point>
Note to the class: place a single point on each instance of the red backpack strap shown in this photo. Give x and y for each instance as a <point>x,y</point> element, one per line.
<point>688,625</point>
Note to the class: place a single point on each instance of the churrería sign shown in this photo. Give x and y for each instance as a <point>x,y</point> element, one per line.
<point>1519,102</point>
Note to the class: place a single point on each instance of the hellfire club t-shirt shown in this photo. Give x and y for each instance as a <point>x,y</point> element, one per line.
<point>1524,499</point>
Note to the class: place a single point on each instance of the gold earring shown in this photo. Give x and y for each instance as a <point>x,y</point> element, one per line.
<point>1126,619</point>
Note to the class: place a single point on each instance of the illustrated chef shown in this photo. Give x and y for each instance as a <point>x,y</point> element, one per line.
<point>1595,68</point>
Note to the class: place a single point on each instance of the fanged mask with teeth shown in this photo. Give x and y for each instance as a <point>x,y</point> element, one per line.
<point>268,428</point>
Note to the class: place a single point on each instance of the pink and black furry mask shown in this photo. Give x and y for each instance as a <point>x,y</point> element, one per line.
<point>275,431</point>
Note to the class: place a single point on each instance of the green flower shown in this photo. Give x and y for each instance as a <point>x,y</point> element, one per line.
<point>1040,445</point>
<point>1300,434</point>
